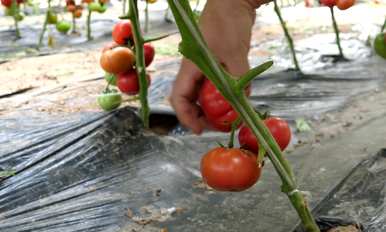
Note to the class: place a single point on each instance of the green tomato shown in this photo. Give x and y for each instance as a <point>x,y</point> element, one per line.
<point>380,45</point>
<point>19,17</point>
<point>111,79</point>
<point>94,6</point>
<point>110,100</point>
<point>63,26</point>
<point>52,18</point>
<point>102,9</point>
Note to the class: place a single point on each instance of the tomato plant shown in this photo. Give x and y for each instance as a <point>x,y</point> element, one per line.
<point>117,60</point>
<point>128,82</point>
<point>230,169</point>
<point>279,129</point>
<point>122,32</point>
<point>380,45</point>
<point>109,100</point>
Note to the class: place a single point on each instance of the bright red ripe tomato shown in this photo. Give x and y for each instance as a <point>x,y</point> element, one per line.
<point>149,53</point>
<point>6,3</point>
<point>279,129</point>
<point>344,4</point>
<point>329,3</point>
<point>216,108</point>
<point>129,83</point>
<point>230,169</point>
<point>122,32</point>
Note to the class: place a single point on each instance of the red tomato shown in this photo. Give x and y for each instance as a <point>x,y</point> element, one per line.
<point>122,32</point>
<point>71,8</point>
<point>230,169</point>
<point>149,53</point>
<point>329,3</point>
<point>216,108</point>
<point>279,129</point>
<point>344,4</point>
<point>6,3</point>
<point>129,83</point>
<point>117,60</point>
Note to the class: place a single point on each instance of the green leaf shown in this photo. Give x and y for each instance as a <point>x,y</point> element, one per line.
<point>302,125</point>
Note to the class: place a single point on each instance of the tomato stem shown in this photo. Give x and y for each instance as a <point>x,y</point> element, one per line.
<point>194,48</point>
<point>261,155</point>
<point>383,26</point>
<point>336,30</point>
<point>233,130</point>
<point>89,37</point>
<point>244,81</point>
<point>146,16</point>
<point>148,39</point>
<point>40,43</point>
<point>288,36</point>
<point>15,15</point>
<point>140,61</point>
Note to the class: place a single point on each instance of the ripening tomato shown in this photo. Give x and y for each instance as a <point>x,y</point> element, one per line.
<point>70,2</point>
<point>216,108</point>
<point>117,60</point>
<point>149,53</point>
<point>129,83</point>
<point>122,32</point>
<point>279,129</point>
<point>329,3</point>
<point>71,8</point>
<point>230,169</point>
<point>77,13</point>
<point>344,4</point>
<point>87,1</point>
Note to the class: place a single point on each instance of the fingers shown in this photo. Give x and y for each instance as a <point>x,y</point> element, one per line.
<point>184,95</point>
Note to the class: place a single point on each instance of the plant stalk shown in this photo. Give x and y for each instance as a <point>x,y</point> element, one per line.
<point>229,89</point>
<point>288,36</point>
<point>336,29</point>
<point>89,37</point>
<point>383,26</point>
<point>146,17</point>
<point>15,9</point>
<point>44,25</point>
<point>140,61</point>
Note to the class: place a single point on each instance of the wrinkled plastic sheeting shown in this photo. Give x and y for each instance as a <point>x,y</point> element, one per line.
<point>361,195</point>
<point>103,172</point>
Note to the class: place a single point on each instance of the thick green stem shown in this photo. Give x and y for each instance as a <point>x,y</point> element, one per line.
<point>146,17</point>
<point>89,37</point>
<point>196,50</point>
<point>336,29</point>
<point>140,61</point>
<point>288,36</point>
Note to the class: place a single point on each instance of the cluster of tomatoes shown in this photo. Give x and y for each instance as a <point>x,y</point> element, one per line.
<point>234,169</point>
<point>341,4</point>
<point>11,11</point>
<point>77,9</point>
<point>118,61</point>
